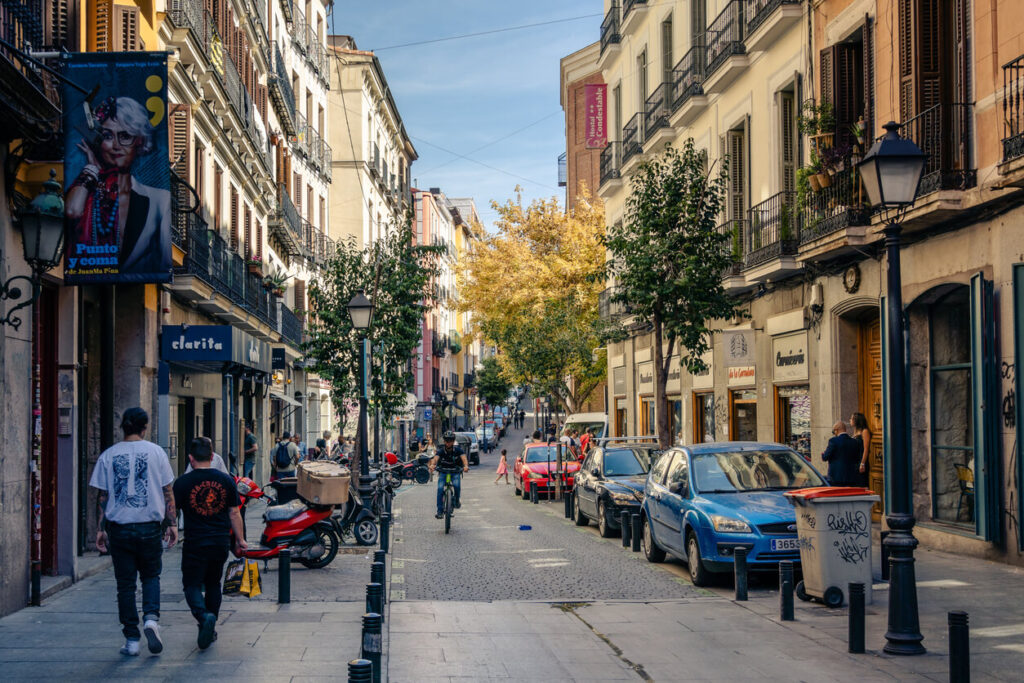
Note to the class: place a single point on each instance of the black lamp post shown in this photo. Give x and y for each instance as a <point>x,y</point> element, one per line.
<point>891,171</point>
<point>360,309</point>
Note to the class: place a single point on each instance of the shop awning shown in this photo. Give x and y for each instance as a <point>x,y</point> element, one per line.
<point>286,399</point>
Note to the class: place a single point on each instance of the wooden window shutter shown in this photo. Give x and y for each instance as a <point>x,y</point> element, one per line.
<point>180,132</point>
<point>59,35</point>
<point>906,58</point>
<point>234,220</point>
<point>259,239</point>
<point>126,25</point>
<point>787,115</point>
<point>929,59</point>
<point>868,72</point>
<point>297,187</point>
<point>218,196</point>
<point>736,145</point>
<point>300,298</point>
<point>100,25</point>
<point>248,233</point>
<point>842,83</point>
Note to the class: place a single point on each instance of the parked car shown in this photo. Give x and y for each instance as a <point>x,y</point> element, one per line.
<point>701,502</point>
<point>596,422</point>
<point>486,431</point>
<point>611,481</point>
<point>534,467</point>
<point>470,445</point>
<point>499,425</point>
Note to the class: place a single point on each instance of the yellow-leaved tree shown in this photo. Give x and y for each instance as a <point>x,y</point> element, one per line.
<point>533,288</point>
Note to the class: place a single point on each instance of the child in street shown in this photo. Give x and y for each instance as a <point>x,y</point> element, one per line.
<point>503,468</point>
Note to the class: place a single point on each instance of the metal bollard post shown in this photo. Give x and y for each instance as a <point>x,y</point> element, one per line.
<point>627,526</point>
<point>786,590</point>
<point>635,535</point>
<point>568,505</point>
<point>885,557</point>
<point>377,576</point>
<point>959,648</point>
<point>740,569</point>
<point>360,671</point>
<point>534,495</point>
<point>374,602</point>
<point>385,531</point>
<point>284,576</point>
<point>380,556</point>
<point>856,616</point>
<point>372,645</point>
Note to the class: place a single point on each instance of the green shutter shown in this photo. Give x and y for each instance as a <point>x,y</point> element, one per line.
<point>984,375</point>
<point>1018,355</point>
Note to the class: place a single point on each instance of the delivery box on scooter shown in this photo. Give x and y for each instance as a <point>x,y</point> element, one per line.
<point>323,483</point>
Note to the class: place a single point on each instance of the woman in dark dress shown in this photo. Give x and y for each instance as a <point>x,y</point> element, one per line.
<point>862,434</point>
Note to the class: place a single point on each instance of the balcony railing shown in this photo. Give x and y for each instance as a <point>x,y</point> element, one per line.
<point>628,6</point>
<point>610,27</point>
<point>632,137</point>
<point>608,309</point>
<point>688,76</point>
<point>281,94</point>
<point>611,160</point>
<point>657,110</point>
<point>735,230</point>
<point>327,154</point>
<point>772,229</point>
<point>286,224</point>
<point>759,10</point>
<point>291,327</point>
<point>1013,109</point>
<point>189,14</point>
<point>301,138</point>
<point>185,216</point>
<point>943,132</point>
<point>298,31</point>
<point>725,36</point>
<point>840,205</point>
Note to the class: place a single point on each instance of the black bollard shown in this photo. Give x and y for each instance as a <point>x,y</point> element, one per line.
<point>284,576</point>
<point>380,556</point>
<point>627,526</point>
<point>740,569</point>
<point>374,599</point>
<point>635,535</point>
<point>786,590</point>
<point>377,576</point>
<point>372,645</point>
<point>385,531</point>
<point>360,671</point>
<point>534,495</point>
<point>885,557</point>
<point>856,616</point>
<point>959,648</point>
<point>568,505</point>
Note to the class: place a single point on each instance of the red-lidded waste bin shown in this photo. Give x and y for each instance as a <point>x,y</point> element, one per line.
<point>833,526</point>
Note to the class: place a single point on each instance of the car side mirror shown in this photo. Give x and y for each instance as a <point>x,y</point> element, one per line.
<point>596,471</point>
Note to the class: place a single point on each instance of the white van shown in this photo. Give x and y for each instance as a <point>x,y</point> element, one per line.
<point>598,422</point>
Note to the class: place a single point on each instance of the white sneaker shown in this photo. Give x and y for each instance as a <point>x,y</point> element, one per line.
<point>131,648</point>
<point>152,630</point>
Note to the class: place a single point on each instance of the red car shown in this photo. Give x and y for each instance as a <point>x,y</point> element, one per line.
<point>534,466</point>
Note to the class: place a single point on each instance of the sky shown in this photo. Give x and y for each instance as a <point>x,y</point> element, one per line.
<point>458,96</point>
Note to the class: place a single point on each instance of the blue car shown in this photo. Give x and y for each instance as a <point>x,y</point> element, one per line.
<point>701,502</point>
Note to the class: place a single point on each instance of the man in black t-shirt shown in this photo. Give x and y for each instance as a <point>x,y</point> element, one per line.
<point>209,501</point>
<point>449,458</point>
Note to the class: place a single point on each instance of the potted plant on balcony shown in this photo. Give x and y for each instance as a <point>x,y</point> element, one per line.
<point>255,265</point>
<point>274,282</point>
<point>859,132</point>
<point>818,168</point>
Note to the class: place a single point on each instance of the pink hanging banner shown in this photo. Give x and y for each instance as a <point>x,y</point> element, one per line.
<point>596,97</point>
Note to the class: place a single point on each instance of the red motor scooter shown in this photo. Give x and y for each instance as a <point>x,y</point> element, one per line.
<point>313,533</point>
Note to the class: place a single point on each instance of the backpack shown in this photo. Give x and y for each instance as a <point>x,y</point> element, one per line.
<point>282,461</point>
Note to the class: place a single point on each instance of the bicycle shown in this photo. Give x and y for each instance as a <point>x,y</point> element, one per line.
<point>448,498</point>
<point>384,486</point>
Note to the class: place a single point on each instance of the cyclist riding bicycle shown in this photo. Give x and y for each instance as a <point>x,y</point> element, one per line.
<point>449,459</point>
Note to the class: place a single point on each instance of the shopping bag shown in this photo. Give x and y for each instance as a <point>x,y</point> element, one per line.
<point>251,579</point>
<point>233,577</point>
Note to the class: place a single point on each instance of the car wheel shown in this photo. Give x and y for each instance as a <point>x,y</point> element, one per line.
<point>699,574</point>
<point>651,550</point>
<point>577,516</point>
<point>602,521</point>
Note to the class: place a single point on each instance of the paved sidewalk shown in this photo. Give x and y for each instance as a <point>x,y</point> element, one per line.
<point>76,634</point>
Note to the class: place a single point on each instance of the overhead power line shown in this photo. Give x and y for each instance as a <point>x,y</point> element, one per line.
<point>487,33</point>
<point>497,140</point>
<point>493,168</point>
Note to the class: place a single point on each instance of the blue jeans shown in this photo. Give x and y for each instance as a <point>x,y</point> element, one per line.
<point>135,550</point>
<point>247,467</point>
<point>456,482</point>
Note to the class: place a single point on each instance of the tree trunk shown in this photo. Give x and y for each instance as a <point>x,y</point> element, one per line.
<point>660,380</point>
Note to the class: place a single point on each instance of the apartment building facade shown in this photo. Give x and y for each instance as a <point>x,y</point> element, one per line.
<point>576,72</point>
<point>793,94</point>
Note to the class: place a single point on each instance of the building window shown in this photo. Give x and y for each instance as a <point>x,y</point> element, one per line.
<point>743,415</point>
<point>704,417</point>
<point>641,75</point>
<point>793,418</point>
<point>952,423</point>
<point>736,149</point>
<point>621,428</point>
<point>648,416</point>
<point>666,50</point>
<point>674,407</point>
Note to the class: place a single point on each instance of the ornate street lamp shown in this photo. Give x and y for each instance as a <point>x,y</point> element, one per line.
<point>891,172</point>
<point>360,309</point>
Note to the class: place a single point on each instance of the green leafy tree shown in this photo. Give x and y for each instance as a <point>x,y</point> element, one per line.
<point>396,274</point>
<point>667,259</point>
<point>491,382</point>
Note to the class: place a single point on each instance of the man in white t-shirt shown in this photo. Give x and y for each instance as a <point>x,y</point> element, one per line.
<point>136,512</point>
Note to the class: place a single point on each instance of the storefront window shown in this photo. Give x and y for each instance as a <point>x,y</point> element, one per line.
<point>647,417</point>
<point>743,415</point>
<point>620,417</point>
<point>952,424</point>
<point>793,418</point>
<point>704,417</point>
<point>674,406</point>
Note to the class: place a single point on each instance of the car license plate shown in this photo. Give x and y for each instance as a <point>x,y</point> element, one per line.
<point>785,544</point>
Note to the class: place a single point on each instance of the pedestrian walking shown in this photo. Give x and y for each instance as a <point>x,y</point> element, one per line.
<point>285,457</point>
<point>251,447</point>
<point>843,457</point>
<point>209,502</point>
<point>503,467</point>
<point>136,510</point>
<point>862,434</point>
<point>216,463</point>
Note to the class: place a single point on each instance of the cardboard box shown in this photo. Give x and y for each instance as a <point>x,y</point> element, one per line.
<point>323,483</point>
